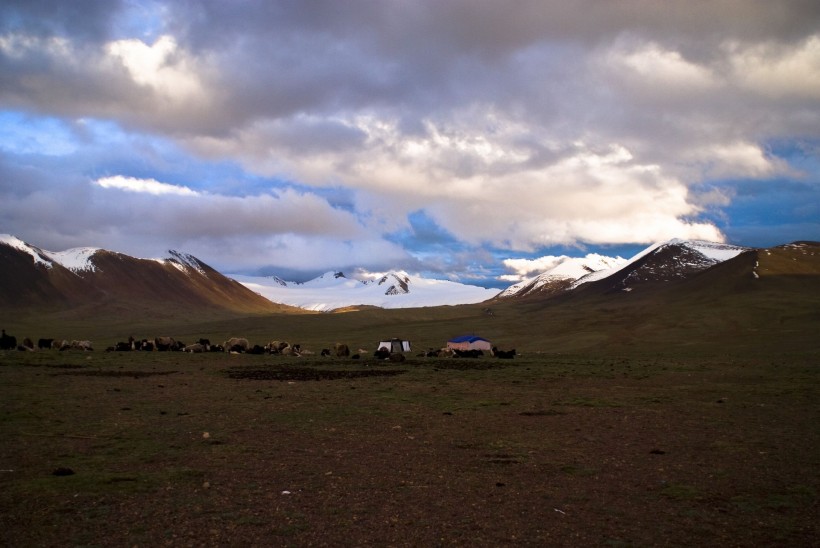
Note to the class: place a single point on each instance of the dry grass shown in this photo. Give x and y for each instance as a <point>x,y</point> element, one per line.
<point>658,416</point>
<point>542,450</point>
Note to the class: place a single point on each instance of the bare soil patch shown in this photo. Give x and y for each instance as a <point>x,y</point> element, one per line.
<point>306,373</point>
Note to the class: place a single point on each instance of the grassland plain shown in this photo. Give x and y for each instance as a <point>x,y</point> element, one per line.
<point>661,448</point>
<point>655,417</point>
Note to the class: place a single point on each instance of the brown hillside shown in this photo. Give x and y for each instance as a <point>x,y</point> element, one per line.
<point>24,283</point>
<point>117,283</point>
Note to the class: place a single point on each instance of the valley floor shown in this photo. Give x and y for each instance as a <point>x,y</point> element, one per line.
<point>544,450</point>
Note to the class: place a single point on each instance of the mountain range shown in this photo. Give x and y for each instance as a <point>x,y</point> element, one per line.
<point>82,276</point>
<point>335,291</point>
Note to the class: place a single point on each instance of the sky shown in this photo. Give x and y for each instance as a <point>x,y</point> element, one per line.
<point>471,140</point>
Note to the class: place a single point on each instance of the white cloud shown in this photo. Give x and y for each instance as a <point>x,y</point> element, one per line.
<point>148,186</point>
<point>777,70</point>
<point>658,70</point>
<point>522,268</point>
<point>162,66</point>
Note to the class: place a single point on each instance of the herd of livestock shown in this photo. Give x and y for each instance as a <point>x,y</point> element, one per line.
<point>236,345</point>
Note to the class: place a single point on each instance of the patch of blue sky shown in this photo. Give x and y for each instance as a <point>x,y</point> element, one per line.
<point>22,133</point>
<point>803,155</point>
<point>101,148</point>
<point>769,212</point>
<point>425,234</point>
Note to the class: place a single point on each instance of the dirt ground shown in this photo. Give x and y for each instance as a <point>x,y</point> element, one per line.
<point>167,449</point>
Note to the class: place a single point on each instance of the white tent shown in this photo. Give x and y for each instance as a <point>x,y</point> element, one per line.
<point>394,345</point>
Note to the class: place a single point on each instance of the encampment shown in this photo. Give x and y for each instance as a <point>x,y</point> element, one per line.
<point>469,342</point>
<point>394,345</point>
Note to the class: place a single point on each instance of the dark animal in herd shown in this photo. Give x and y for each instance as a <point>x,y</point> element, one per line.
<point>474,353</point>
<point>503,354</point>
<point>7,342</point>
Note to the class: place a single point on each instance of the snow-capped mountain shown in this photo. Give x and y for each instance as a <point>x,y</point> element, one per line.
<point>31,276</point>
<point>77,259</point>
<point>663,261</point>
<point>334,290</point>
<point>561,277</point>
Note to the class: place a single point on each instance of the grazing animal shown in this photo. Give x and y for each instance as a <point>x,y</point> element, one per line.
<point>195,348</point>
<point>276,347</point>
<point>27,344</point>
<point>325,352</point>
<point>236,344</point>
<point>124,346</point>
<point>381,354</point>
<point>503,354</point>
<point>396,357</point>
<point>342,350</point>
<point>147,346</point>
<point>85,346</point>
<point>7,342</point>
<point>164,344</point>
<point>474,353</point>
<point>256,349</point>
<point>44,344</point>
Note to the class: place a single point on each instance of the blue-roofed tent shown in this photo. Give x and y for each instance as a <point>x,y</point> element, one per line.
<point>469,342</point>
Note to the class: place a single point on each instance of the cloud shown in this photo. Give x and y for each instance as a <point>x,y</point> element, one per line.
<point>550,123</point>
<point>523,268</point>
<point>148,186</point>
<point>160,66</point>
<point>776,70</point>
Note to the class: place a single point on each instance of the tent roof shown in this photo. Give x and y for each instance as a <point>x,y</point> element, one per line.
<point>467,338</point>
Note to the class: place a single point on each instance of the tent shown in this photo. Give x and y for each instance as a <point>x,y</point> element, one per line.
<point>469,342</point>
<point>394,345</point>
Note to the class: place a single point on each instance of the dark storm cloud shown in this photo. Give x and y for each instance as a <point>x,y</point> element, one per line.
<point>84,20</point>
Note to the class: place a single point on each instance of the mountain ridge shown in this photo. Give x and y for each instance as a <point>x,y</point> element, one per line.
<point>33,276</point>
<point>77,277</point>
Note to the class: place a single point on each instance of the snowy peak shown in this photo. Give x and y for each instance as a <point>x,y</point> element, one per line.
<point>399,283</point>
<point>664,262</point>
<point>38,255</point>
<point>78,259</point>
<point>661,262</point>
<point>560,277</point>
<point>184,262</point>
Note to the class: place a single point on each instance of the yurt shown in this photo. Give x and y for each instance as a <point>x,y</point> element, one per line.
<point>469,342</point>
